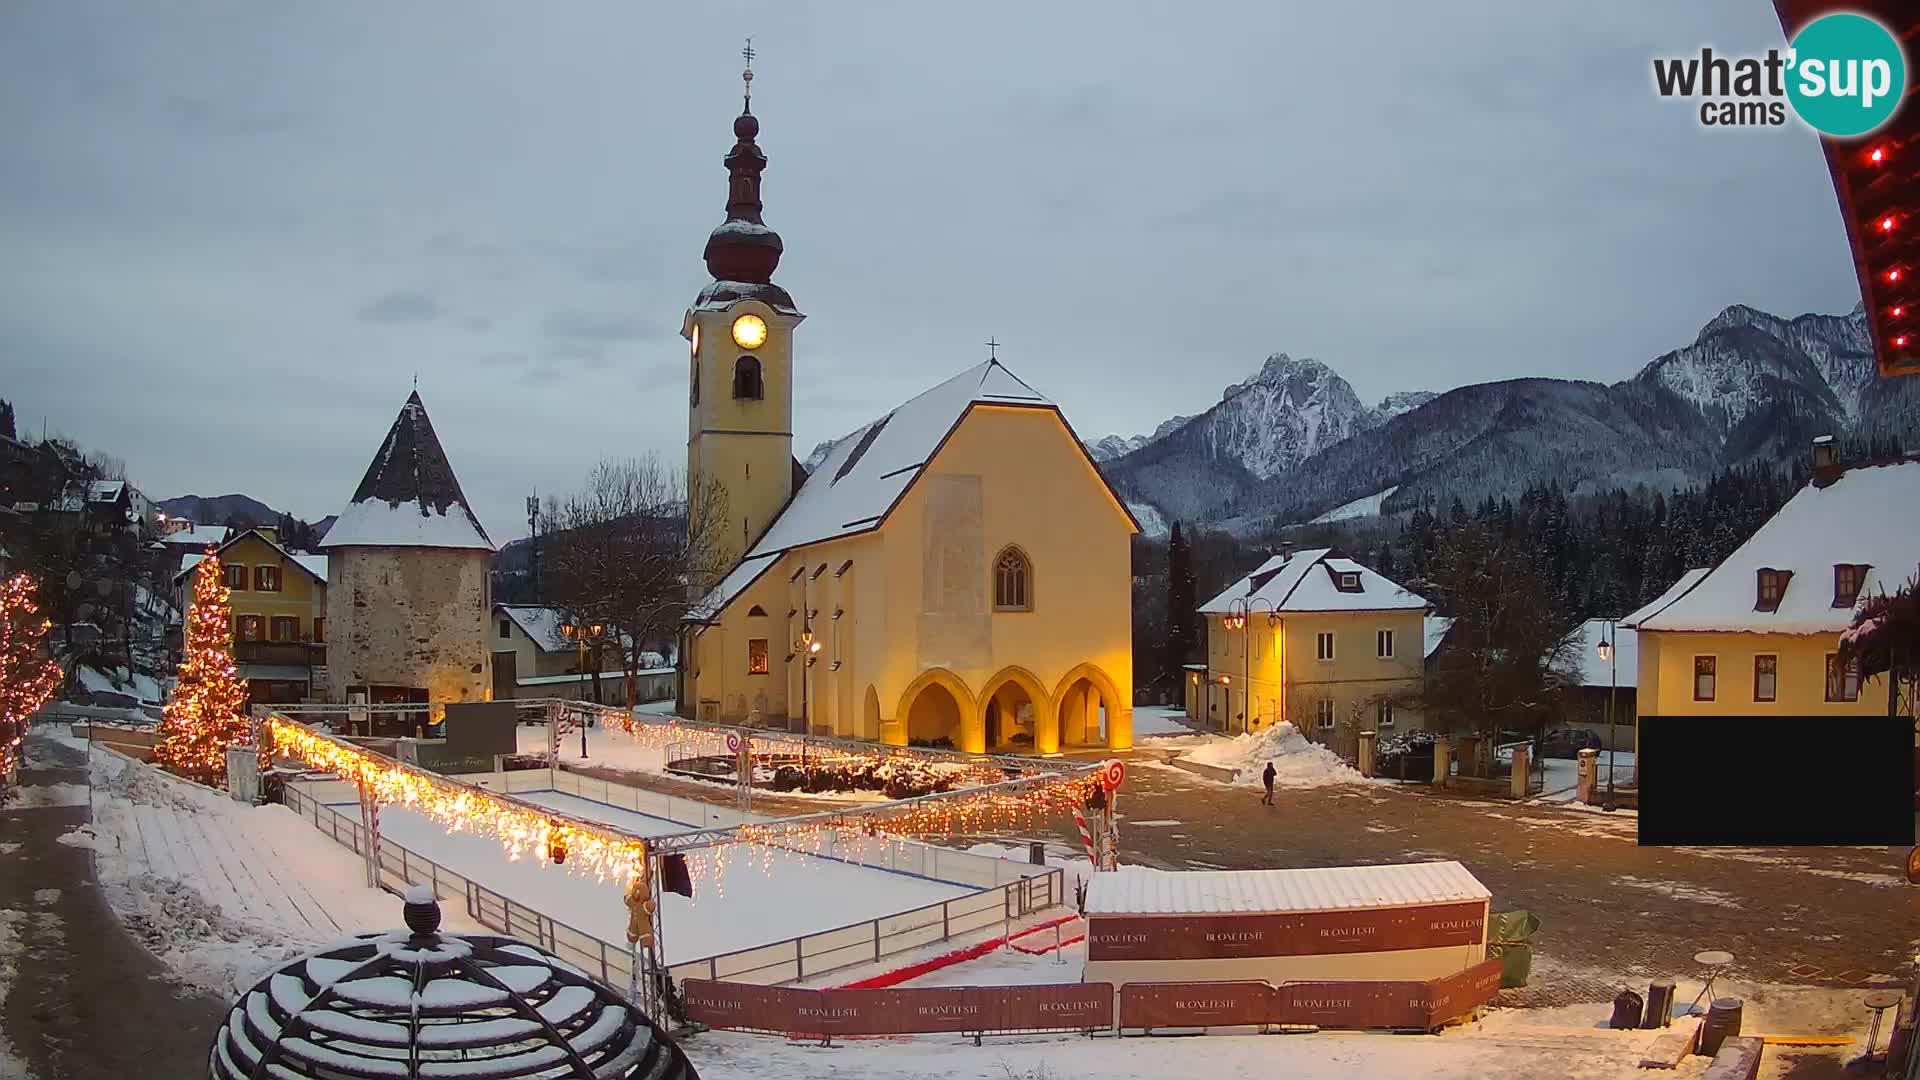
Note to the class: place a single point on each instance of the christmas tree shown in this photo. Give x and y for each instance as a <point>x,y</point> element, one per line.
<point>207,712</point>
<point>28,676</point>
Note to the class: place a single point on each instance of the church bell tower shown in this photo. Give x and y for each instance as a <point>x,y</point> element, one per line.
<point>739,334</point>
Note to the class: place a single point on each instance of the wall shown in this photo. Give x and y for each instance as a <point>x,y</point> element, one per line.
<point>744,445</point>
<point>415,617</point>
<point>1666,676</point>
<point>1287,657</point>
<point>529,660</point>
<point>300,596</point>
<point>1005,476</point>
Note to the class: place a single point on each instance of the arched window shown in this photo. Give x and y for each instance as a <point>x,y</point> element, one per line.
<point>746,378</point>
<point>1012,581</point>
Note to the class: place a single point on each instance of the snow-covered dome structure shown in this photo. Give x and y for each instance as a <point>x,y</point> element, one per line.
<point>425,1004</point>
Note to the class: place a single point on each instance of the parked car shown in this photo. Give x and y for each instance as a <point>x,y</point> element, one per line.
<point>1568,742</point>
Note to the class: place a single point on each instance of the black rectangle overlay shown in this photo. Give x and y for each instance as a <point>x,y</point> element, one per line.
<point>1765,781</point>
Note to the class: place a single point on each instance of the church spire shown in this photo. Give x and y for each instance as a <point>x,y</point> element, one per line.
<point>743,248</point>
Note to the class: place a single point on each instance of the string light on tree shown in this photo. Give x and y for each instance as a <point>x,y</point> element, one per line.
<point>28,674</point>
<point>207,712</point>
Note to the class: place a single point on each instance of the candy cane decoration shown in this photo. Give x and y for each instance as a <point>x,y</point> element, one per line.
<point>1086,836</point>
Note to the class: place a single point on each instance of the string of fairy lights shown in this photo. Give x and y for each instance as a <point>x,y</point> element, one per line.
<point>584,847</point>
<point>28,675</point>
<point>206,713</point>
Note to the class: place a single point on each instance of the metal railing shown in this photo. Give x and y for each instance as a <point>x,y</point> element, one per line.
<point>788,960</point>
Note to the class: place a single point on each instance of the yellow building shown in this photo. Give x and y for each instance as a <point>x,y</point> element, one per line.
<point>279,609</point>
<point>1756,635</point>
<point>1317,639</point>
<point>956,572</point>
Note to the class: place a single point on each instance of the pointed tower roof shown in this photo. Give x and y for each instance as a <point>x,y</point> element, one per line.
<point>742,252</point>
<point>409,497</point>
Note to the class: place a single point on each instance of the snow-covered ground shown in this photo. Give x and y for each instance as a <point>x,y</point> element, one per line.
<point>219,891</point>
<point>1156,721</point>
<point>1297,761</point>
<point>1364,506</point>
<point>609,748</point>
<point>761,895</point>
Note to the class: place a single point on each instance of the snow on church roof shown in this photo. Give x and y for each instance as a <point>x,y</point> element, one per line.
<point>409,496</point>
<point>1869,515</point>
<point>1301,582</point>
<point>1674,592</point>
<point>858,483</point>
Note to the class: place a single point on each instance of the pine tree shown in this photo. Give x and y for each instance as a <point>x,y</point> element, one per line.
<point>207,712</point>
<point>1180,600</point>
<point>28,674</point>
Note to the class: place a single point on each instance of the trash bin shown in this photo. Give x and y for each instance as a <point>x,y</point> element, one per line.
<point>1509,937</point>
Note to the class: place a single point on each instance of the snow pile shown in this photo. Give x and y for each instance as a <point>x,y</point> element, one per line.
<point>1297,762</point>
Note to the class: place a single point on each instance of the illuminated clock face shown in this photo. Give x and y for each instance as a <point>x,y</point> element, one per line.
<point>749,331</point>
<point>696,340</point>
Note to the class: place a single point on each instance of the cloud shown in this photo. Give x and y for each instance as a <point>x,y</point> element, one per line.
<point>624,265</point>
<point>573,323</point>
<point>400,306</point>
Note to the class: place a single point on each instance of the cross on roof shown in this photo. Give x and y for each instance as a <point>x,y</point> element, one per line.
<point>747,75</point>
<point>993,349</point>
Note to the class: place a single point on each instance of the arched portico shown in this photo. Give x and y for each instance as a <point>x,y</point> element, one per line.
<point>938,705</point>
<point>1079,701</point>
<point>1014,700</point>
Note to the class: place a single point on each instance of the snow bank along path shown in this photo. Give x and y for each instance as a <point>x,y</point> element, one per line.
<point>763,896</point>
<point>1297,761</point>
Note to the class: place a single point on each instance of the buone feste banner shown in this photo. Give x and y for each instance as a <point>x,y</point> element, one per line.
<point>1306,933</point>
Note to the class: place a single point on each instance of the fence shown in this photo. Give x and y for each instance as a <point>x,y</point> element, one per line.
<point>999,901</point>
<point>1144,1007</point>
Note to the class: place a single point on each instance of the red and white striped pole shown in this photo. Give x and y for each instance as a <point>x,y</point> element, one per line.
<point>1086,836</point>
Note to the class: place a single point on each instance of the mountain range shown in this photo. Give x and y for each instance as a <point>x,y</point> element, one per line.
<point>220,509</point>
<point>1295,444</point>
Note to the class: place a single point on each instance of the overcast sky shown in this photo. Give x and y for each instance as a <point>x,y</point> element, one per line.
<point>233,233</point>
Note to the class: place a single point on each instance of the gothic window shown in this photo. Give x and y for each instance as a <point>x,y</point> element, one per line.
<point>746,379</point>
<point>1012,581</point>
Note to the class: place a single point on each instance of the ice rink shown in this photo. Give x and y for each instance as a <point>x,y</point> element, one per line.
<point>797,894</point>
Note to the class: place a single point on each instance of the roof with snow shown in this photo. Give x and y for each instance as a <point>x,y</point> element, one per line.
<point>1674,592</point>
<point>315,565</point>
<point>1867,516</point>
<point>197,536</point>
<point>1623,670</point>
<point>106,490</point>
<point>1143,890</point>
<point>1435,628</point>
<point>409,496</point>
<point>542,626</point>
<point>1309,581</point>
<point>867,473</point>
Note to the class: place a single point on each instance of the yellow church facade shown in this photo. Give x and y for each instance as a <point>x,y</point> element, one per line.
<point>955,573</point>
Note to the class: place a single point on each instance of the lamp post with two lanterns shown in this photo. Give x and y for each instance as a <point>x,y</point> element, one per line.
<point>1236,619</point>
<point>581,634</point>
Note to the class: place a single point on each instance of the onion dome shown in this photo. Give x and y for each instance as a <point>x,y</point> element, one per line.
<point>419,1003</point>
<point>742,248</point>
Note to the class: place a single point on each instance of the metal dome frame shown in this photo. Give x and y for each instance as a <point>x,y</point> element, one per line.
<point>423,1004</point>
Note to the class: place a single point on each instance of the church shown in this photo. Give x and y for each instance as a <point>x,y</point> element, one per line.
<point>956,573</point>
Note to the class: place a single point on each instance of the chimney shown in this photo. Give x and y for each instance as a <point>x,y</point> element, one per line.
<point>1286,550</point>
<point>1825,454</point>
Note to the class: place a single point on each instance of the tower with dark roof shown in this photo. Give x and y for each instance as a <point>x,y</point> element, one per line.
<point>740,360</point>
<point>407,569</point>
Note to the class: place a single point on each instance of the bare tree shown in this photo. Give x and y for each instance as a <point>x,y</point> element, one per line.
<point>1508,656</point>
<point>622,553</point>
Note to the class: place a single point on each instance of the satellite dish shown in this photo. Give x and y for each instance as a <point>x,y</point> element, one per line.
<point>73,579</point>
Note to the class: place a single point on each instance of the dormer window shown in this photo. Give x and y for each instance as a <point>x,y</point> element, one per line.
<point>1847,579</point>
<point>1349,581</point>
<point>1770,586</point>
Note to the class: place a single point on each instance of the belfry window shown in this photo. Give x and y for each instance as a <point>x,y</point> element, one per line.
<point>746,379</point>
<point>1012,581</point>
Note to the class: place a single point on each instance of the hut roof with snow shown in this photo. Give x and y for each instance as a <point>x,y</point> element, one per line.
<point>409,496</point>
<point>1319,579</point>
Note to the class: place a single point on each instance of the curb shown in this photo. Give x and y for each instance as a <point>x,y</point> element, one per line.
<point>947,959</point>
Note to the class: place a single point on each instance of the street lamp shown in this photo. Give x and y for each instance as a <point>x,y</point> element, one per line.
<point>808,647</point>
<point>1236,619</point>
<point>580,635</point>
<point>1611,655</point>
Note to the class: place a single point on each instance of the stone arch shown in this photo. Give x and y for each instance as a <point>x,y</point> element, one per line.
<point>1076,714</point>
<point>1046,727</point>
<point>870,714</point>
<point>967,733</point>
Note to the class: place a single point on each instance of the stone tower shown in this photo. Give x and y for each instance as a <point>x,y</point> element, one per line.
<point>740,368</point>
<point>407,565</point>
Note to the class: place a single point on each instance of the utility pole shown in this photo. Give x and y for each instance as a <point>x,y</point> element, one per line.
<point>533,533</point>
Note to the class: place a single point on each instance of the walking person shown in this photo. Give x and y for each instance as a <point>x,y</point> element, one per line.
<point>1266,777</point>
